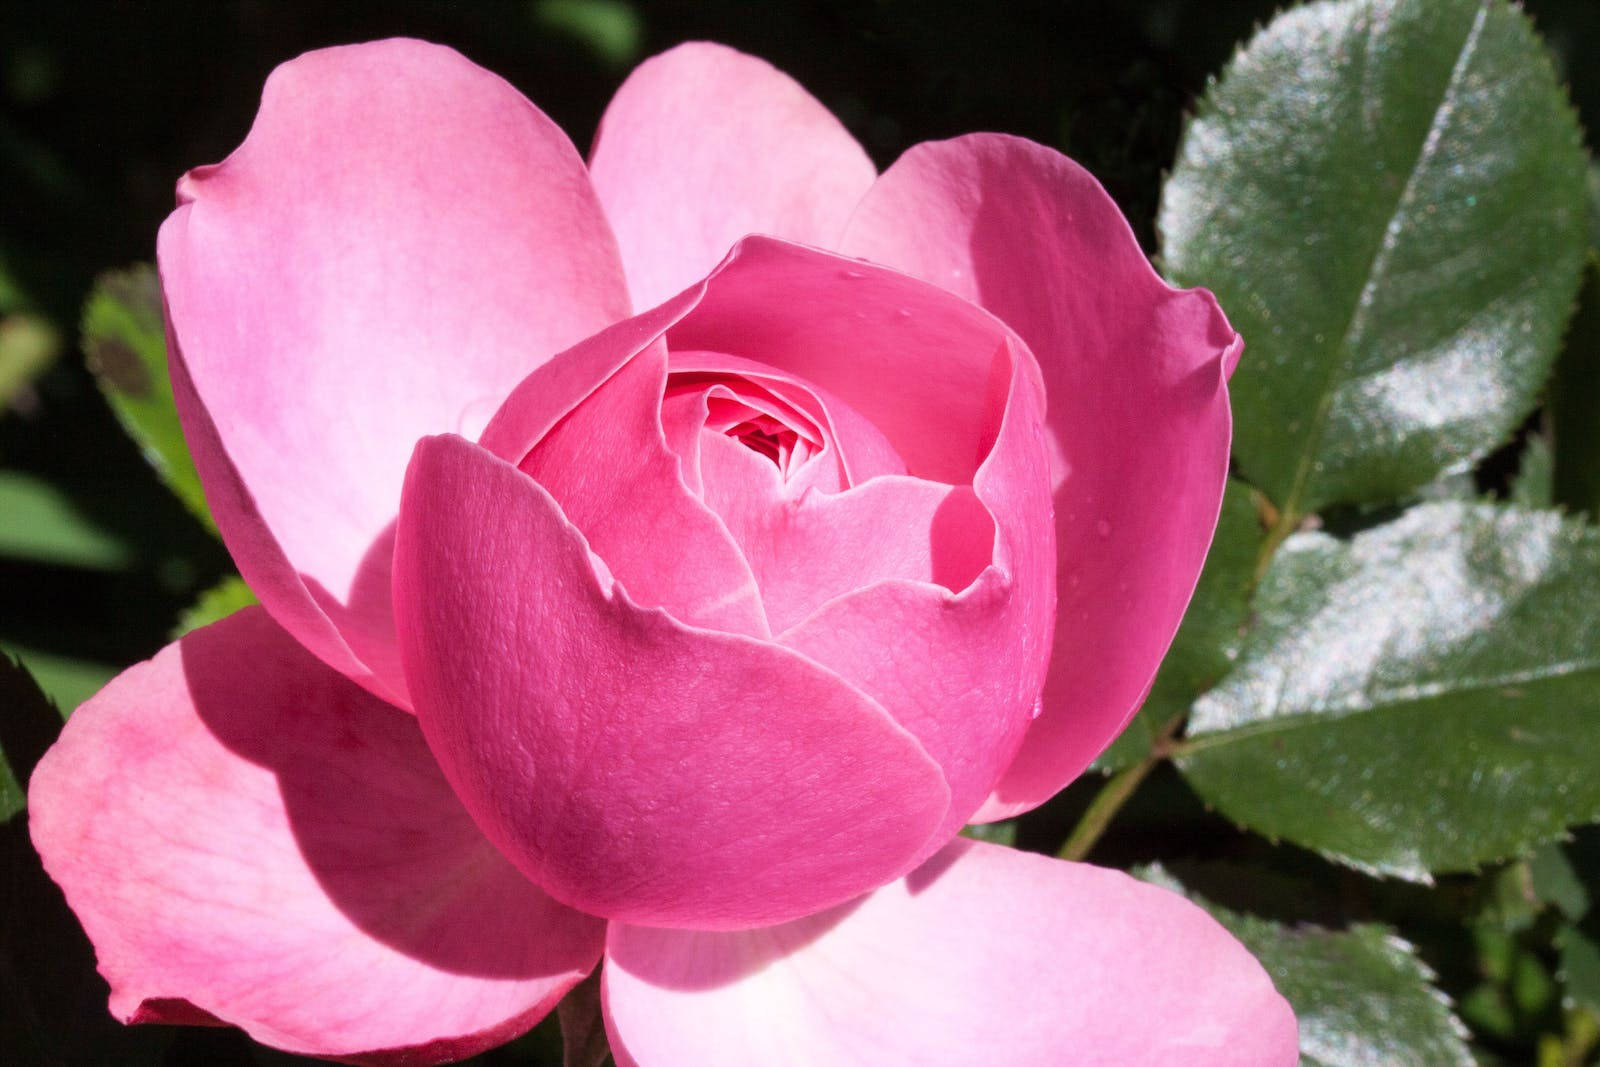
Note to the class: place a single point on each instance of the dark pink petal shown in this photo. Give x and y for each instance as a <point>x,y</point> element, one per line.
<point>609,469</point>
<point>863,451</point>
<point>399,241</point>
<point>984,955</point>
<point>962,672</point>
<point>635,767</point>
<point>703,145</point>
<point>251,838</point>
<point>922,368</point>
<point>1138,409</point>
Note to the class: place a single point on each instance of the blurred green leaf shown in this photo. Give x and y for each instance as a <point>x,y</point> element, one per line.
<point>997,833</point>
<point>124,342</point>
<point>43,525</point>
<point>1423,698</point>
<point>611,29</point>
<point>218,602</point>
<point>67,680</point>
<point>28,724</point>
<point>1361,995</point>
<point>1204,647</point>
<point>1534,485</point>
<point>28,347</point>
<point>1389,199</point>
<point>1556,882</point>
<point>1580,967</point>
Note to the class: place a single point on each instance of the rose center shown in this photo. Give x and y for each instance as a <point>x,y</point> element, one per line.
<point>768,437</point>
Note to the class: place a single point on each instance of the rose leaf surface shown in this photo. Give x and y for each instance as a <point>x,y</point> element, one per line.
<point>1361,994</point>
<point>1388,196</point>
<point>1419,699</point>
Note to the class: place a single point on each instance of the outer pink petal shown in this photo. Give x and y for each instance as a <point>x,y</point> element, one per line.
<point>984,955</point>
<point>1135,373</point>
<point>401,238</point>
<point>972,687</point>
<point>703,145</point>
<point>249,837</point>
<point>634,767</point>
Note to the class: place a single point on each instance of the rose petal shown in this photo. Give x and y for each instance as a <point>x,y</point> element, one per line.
<point>972,686</point>
<point>703,145</point>
<point>862,450</point>
<point>1138,408</point>
<point>984,955</point>
<point>248,836</point>
<point>334,292</point>
<point>918,365</point>
<point>808,549</point>
<point>609,469</point>
<point>633,766</point>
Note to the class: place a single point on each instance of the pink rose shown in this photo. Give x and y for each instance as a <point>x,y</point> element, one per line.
<point>740,606</point>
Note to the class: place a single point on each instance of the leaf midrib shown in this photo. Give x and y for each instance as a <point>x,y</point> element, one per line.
<point>1339,365</point>
<point>1383,701</point>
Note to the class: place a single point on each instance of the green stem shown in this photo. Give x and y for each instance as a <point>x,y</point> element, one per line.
<point>1115,793</point>
<point>1285,523</point>
<point>583,1030</point>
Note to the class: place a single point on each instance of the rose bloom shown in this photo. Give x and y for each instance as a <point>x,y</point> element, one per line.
<point>643,595</point>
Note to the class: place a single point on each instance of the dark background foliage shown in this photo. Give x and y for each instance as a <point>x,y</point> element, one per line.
<point>103,105</point>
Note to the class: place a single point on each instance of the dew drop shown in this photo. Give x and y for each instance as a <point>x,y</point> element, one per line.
<point>1102,527</point>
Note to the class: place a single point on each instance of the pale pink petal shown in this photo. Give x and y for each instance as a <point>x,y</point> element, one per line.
<point>984,955</point>
<point>1138,409</point>
<point>635,767</point>
<point>703,145</point>
<point>609,469</point>
<point>972,688</point>
<point>249,837</point>
<point>399,241</point>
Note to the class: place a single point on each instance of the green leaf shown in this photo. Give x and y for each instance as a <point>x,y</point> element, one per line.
<point>44,526</point>
<point>125,344</point>
<point>29,344</point>
<point>996,833</point>
<point>218,602</point>
<point>1557,882</point>
<point>611,29</point>
<point>1534,485</point>
<point>67,681</point>
<point>1361,995</point>
<point>28,724</point>
<point>1422,698</point>
<point>1389,200</point>
<point>1209,638</point>
<point>1579,969</point>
